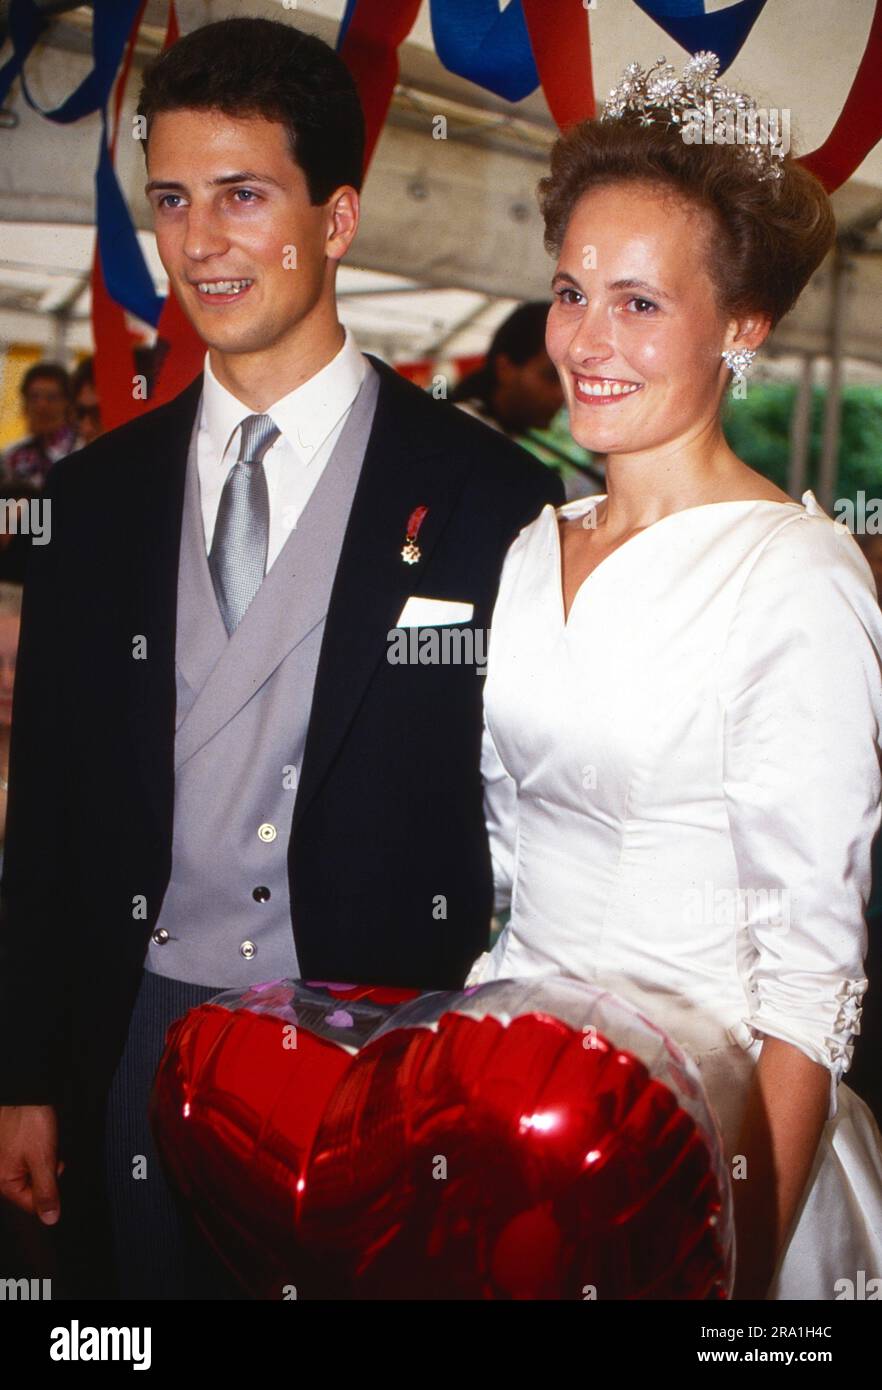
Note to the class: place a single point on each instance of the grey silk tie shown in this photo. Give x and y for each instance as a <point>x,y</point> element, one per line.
<point>241,532</point>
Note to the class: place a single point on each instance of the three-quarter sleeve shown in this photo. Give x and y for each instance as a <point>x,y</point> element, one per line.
<point>501,817</point>
<point>800,685</point>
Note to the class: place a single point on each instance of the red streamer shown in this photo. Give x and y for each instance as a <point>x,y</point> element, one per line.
<point>370,51</point>
<point>114,364</point>
<point>180,350</point>
<point>562,52</point>
<point>859,127</point>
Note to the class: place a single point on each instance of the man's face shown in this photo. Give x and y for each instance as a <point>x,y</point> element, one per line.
<point>46,406</point>
<point>246,252</point>
<point>87,413</point>
<point>530,392</point>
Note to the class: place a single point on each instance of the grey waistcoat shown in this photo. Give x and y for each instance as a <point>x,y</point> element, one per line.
<point>243,705</point>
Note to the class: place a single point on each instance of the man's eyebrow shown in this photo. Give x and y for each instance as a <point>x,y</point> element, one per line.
<point>242,176</point>
<point>612,284</point>
<point>564,275</point>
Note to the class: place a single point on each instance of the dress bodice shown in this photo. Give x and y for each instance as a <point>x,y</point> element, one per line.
<point>683,774</point>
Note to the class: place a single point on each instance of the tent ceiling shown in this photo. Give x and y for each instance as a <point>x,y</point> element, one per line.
<point>450,234</point>
<point>43,275</point>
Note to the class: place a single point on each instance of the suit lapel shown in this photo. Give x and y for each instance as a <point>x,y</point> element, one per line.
<point>157,467</point>
<point>399,473</point>
<point>292,599</point>
<point>201,638</point>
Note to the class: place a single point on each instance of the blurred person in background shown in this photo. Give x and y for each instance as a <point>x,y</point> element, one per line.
<point>46,402</point>
<point>86,406</point>
<point>517,388</point>
<point>86,402</point>
<point>517,391</point>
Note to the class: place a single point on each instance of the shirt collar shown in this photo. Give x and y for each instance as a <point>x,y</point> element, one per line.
<point>305,416</point>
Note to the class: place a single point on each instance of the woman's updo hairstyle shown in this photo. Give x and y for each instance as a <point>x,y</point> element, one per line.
<point>771,234</point>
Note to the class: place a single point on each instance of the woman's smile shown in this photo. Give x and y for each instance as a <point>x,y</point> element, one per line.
<point>604,390</point>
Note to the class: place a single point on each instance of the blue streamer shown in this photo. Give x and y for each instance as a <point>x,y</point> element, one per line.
<point>475,40</point>
<point>679,9</point>
<point>724,32</point>
<point>345,22</point>
<point>123,266</point>
<point>126,273</point>
<point>25,26</point>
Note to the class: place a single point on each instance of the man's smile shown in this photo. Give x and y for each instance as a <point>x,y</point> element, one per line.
<point>216,292</point>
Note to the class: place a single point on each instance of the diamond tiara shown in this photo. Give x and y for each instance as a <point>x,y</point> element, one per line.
<point>706,111</point>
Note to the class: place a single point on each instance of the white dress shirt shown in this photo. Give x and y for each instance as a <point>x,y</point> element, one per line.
<point>310,418</point>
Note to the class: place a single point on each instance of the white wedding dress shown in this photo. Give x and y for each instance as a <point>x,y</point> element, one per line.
<point>683,784</point>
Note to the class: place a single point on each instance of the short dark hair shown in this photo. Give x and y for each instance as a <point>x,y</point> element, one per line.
<point>261,67</point>
<point>84,373</point>
<point>520,337</point>
<point>771,235</point>
<point>50,371</point>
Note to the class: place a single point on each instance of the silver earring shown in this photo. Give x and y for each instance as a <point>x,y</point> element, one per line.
<point>739,361</point>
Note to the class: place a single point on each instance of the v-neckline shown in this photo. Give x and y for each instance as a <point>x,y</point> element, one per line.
<point>682,511</point>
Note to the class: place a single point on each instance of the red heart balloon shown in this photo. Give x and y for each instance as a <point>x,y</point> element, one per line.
<point>478,1159</point>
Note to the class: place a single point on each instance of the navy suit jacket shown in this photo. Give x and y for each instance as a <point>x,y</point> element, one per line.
<point>388,811</point>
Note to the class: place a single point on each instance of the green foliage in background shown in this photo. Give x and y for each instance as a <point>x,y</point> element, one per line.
<point>758,429</point>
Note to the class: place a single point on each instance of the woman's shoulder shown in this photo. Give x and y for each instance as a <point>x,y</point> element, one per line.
<point>807,574</point>
<point>532,551</point>
<point>808,541</point>
<point>539,528</point>
<point>540,536</point>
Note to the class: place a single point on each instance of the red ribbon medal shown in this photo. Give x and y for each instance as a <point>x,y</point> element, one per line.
<point>410,551</point>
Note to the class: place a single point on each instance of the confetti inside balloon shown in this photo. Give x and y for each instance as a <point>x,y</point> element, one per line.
<point>517,1140</point>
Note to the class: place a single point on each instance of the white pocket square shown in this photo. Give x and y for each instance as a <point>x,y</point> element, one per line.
<point>433,612</point>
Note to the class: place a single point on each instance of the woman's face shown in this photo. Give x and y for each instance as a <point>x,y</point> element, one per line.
<point>634,316</point>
